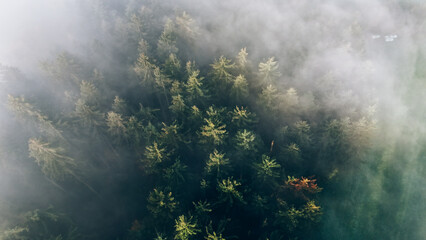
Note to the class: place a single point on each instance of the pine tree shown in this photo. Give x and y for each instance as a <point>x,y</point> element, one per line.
<point>162,83</point>
<point>185,27</point>
<point>194,87</point>
<point>228,191</point>
<point>242,58</point>
<point>161,204</point>
<point>268,71</point>
<point>144,69</point>
<point>212,133</point>
<point>136,26</point>
<point>245,141</point>
<point>119,105</point>
<point>217,163</point>
<point>89,94</point>
<point>88,116</point>
<point>222,75</point>
<point>302,133</point>
<point>268,169</point>
<point>178,105</point>
<point>154,155</point>
<point>214,236</point>
<point>243,118</point>
<point>185,228</point>
<point>30,115</point>
<point>269,98</point>
<point>221,70</point>
<point>64,70</point>
<point>135,131</point>
<point>172,67</point>
<point>239,90</point>
<point>116,126</point>
<point>167,42</point>
<point>176,173</point>
<point>52,160</point>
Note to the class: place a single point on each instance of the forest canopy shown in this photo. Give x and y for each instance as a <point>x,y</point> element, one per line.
<point>162,126</point>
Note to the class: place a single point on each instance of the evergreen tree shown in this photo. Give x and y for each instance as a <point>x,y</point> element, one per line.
<point>161,204</point>
<point>119,105</point>
<point>239,91</point>
<point>267,169</point>
<point>212,133</point>
<point>242,58</point>
<point>222,75</point>
<point>217,163</point>
<point>167,42</point>
<point>185,228</point>
<point>53,162</point>
<point>154,155</point>
<point>229,193</point>
<point>269,71</point>
<point>116,126</point>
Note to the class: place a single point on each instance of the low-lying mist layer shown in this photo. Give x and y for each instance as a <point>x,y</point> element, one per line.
<point>144,119</point>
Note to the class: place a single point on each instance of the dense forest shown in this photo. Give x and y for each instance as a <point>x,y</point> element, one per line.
<point>162,126</point>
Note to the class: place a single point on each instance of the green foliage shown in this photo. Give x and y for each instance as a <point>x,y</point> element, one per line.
<point>41,225</point>
<point>89,94</point>
<point>87,115</point>
<point>267,169</point>
<point>221,70</point>
<point>172,66</point>
<point>185,27</point>
<point>134,131</point>
<point>302,132</point>
<point>119,105</point>
<point>217,163</point>
<point>161,204</point>
<point>161,82</point>
<point>185,228</point>
<point>160,236</point>
<point>176,88</point>
<point>176,173</point>
<point>214,236</point>
<point>269,98</point>
<point>194,86</point>
<point>291,98</point>
<point>216,114</point>
<point>212,133</point>
<point>116,126</point>
<point>228,191</point>
<point>16,233</point>
<point>170,135</point>
<point>268,71</point>
<point>222,75</point>
<point>149,132</point>
<point>242,118</point>
<point>208,140</point>
<point>53,162</point>
<point>29,114</point>
<point>167,42</point>
<point>63,70</point>
<point>143,47</point>
<point>202,208</point>
<point>239,90</point>
<point>154,155</point>
<point>242,58</point>
<point>136,25</point>
<point>178,104</point>
<point>291,152</point>
<point>295,218</point>
<point>245,140</point>
<point>144,70</point>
